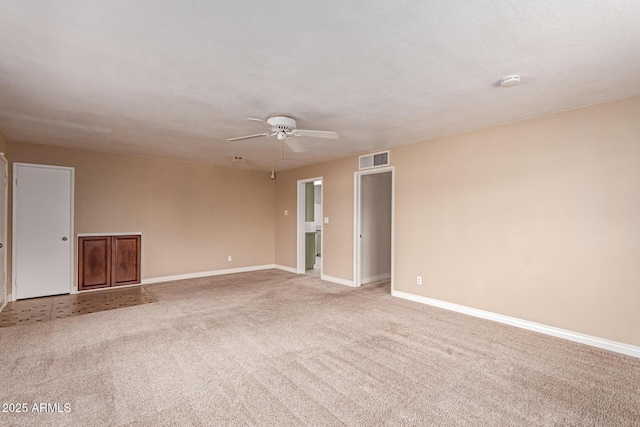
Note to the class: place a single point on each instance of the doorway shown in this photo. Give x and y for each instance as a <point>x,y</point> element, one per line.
<point>373,226</point>
<point>42,230</point>
<point>309,247</point>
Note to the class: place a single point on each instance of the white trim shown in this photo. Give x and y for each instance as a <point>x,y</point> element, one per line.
<point>322,222</point>
<point>356,229</point>
<point>73,286</point>
<point>206,274</point>
<point>300,230</point>
<point>300,225</point>
<point>393,223</point>
<point>370,279</point>
<point>285,268</point>
<point>357,184</point>
<point>615,346</point>
<point>13,236</point>
<point>337,280</point>
<point>5,225</point>
<point>73,248</point>
<point>135,233</point>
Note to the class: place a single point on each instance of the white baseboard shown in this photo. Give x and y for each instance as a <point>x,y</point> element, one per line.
<point>375,278</point>
<point>239,270</point>
<point>615,346</point>
<point>337,280</point>
<point>206,274</point>
<point>323,276</point>
<point>285,268</point>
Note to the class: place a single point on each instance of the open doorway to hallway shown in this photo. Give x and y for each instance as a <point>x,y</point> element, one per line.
<point>310,227</point>
<point>313,228</point>
<point>373,240</point>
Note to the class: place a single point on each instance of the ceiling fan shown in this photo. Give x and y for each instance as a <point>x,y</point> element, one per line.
<point>284,128</point>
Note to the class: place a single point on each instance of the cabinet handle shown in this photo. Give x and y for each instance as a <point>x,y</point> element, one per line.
<point>64,238</point>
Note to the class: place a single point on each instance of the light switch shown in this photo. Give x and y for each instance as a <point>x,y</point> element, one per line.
<point>326,220</point>
<point>286,212</point>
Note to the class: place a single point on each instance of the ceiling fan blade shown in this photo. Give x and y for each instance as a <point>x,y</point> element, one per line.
<point>248,136</point>
<point>260,121</point>
<point>316,134</point>
<point>294,145</point>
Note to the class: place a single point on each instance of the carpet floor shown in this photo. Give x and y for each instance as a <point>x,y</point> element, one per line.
<point>274,348</point>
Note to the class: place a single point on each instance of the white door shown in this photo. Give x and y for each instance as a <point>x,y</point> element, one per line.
<point>42,230</point>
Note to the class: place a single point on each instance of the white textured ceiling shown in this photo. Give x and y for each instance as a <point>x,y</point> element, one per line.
<point>175,79</point>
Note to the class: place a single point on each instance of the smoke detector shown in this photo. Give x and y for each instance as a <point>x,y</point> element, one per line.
<point>510,81</point>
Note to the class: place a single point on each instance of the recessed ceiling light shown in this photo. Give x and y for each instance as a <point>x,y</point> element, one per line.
<point>510,81</point>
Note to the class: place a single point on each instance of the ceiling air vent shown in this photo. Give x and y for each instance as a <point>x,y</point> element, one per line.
<point>374,160</point>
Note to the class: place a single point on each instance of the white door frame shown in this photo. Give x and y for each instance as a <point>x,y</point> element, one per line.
<point>72,286</point>
<point>357,250</point>
<point>6,213</point>
<point>300,224</point>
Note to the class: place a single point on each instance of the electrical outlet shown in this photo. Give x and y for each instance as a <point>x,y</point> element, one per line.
<point>229,258</point>
<point>419,280</point>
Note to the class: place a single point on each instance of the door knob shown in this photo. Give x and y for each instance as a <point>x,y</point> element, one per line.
<point>64,238</point>
<point>0,245</point>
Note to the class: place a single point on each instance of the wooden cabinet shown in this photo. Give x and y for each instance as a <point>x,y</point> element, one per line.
<point>94,262</point>
<point>125,260</point>
<point>105,261</point>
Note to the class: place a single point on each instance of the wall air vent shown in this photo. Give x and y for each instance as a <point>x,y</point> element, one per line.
<point>374,160</point>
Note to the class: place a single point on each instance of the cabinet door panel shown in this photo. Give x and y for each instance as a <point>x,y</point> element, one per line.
<point>125,258</point>
<point>94,262</point>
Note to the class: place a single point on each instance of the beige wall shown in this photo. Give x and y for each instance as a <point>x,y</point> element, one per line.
<point>192,216</point>
<point>337,204</point>
<point>4,143</point>
<point>538,219</point>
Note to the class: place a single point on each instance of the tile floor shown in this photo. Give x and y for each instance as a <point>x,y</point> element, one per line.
<point>29,311</point>
<point>316,270</point>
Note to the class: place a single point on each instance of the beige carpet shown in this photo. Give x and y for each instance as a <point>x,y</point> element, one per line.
<point>274,348</point>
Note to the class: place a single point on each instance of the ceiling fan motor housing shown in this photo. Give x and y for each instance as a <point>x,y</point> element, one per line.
<point>282,123</point>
